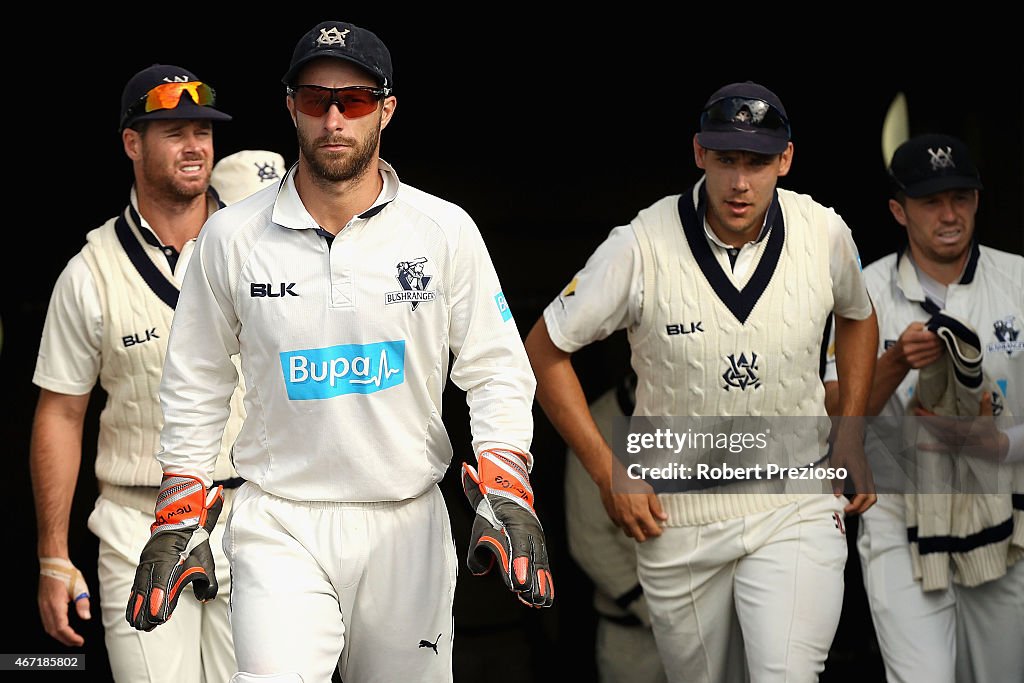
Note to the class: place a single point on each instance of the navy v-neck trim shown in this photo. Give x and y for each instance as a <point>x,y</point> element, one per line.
<point>739,302</point>
<point>166,290</point>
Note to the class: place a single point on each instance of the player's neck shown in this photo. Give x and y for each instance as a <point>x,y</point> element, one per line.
<point>175,221</point>
<point>333,203</point>
<point>943,272</point>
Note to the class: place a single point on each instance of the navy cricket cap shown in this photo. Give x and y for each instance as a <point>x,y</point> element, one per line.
<point>194,104</point>
<point>745,117</point>
<point>343,41</point>
<point>932,163</point>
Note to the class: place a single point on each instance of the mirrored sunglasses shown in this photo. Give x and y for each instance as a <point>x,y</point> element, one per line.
<point>747,111</point>
<point>168,95</point>
<point>353,101</point>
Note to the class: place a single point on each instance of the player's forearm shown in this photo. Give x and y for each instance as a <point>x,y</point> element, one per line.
<point>561,397</point>
<point>890,370</point>
<point>55,457</point>
<point>856,347</point>
<point>199,378</point>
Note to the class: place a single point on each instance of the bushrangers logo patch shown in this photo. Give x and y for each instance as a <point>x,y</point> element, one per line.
<point>414,284</point>
<point>1007,333</point>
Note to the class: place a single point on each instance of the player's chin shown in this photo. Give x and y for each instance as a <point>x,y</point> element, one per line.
<point>191,185</point>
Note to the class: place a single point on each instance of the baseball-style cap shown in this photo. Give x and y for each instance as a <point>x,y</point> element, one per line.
<point>744,117</point>
<point>932,163</point>
<point>165,91</point>
<point>344,41</point>
<point>238,175</point>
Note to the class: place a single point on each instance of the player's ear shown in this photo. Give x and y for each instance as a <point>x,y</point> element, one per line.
<point>387,110</point>
<point>786,159</point>
<point>132,141</point>
<point>898,212</point>
<point>698,153</point>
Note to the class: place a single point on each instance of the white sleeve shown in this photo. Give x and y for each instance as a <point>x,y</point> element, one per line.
<point>1015,434</point>
<point>70,349</point>
<point>605,296</point>
<point>849,291</point>
<point>199,375</point>
<point>831,374</point>
<point>490,364</point>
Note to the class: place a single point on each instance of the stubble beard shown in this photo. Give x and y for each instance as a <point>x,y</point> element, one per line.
<point>338,167</point>
<point>172,188</point>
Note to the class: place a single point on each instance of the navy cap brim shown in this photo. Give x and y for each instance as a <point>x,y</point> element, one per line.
<point>186,109</point>
<point>942,184</point>
<point>757,141</point>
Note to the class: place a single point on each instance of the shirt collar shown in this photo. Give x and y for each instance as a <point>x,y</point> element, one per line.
<point>213,203</point>
<point>290,212</point>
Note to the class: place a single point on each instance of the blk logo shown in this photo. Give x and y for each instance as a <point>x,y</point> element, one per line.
<point>139,338</point>
<point>684,328</point>
<point>259,290</point>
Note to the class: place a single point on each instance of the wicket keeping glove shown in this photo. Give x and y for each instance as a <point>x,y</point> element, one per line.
<point>506,528</point>
<point>178,551</point>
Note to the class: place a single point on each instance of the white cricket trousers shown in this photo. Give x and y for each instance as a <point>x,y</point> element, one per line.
<point>194,646</point>
<point>966,635</point>
<point>371,582</point>
<point>779,573</point>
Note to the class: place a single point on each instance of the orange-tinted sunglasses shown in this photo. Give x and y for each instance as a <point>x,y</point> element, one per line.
<point>353,101</point>
<point>167,96</point>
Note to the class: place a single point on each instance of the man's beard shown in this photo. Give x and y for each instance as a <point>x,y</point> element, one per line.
<point>172,188</point>
<point>339,167</point>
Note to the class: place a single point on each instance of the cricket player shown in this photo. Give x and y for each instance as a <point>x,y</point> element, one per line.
<point>724,291</point>
<point>108,321</point>
<point>949,607</point>
<point>351,297</point>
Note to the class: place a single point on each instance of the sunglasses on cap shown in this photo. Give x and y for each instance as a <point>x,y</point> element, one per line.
<point>745,110</point>
<point>168,95</point>
<point>353,101</point>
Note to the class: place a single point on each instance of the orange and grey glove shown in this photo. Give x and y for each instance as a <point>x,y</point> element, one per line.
<point>178,551</point>
<point>506,528</point>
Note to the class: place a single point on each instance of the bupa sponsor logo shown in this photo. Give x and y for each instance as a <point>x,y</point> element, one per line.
<point>313,374</point>
<point>503,309</point>
<point>414,284</point>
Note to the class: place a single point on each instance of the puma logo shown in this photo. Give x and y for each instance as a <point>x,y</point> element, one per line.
<point>431,645</point>
<point>839,523</point>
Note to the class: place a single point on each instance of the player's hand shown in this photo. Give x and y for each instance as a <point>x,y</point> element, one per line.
<point>506,530</point>
<point>848,453</point>
<point>61,583</point>
<point>178,551</point>
<point>639,515</point>
<point>970,437</point>
<point>918,346</point>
